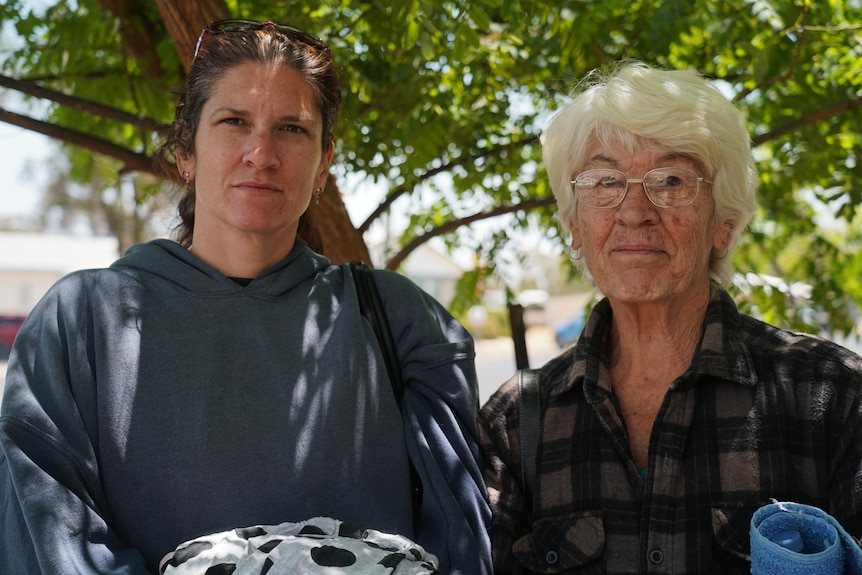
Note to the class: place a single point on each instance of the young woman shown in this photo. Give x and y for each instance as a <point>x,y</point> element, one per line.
<point>228,379</point>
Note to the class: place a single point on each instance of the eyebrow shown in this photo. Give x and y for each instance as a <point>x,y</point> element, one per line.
<point>601,158</point>
<point>679,156</point>
<point>665,158</point>
<point>244,114</point>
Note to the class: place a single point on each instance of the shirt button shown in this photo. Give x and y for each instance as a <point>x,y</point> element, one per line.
<point>656,556</point>
<point>551,557</point>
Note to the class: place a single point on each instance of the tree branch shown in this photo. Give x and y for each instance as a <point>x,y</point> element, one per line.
<point>787,73</point>
<point>526,206</point>
<point>400,191</point>
<point>132,161</point>
<point>79,104</point>
<point>807,120</point>
<point>138,33</point>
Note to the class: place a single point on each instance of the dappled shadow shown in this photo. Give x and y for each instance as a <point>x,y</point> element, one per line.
<point>270,409</point>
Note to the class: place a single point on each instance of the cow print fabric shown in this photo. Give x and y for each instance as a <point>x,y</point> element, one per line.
<point>320,545</point>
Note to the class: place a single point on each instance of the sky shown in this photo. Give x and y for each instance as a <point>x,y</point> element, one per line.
<point>19,194</point>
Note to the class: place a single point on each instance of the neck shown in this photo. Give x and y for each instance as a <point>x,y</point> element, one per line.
<point>241,257</point>
<point>655,341</point>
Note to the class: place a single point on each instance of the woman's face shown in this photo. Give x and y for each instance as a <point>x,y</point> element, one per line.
<point>258,156</point>
<point>640,253</point>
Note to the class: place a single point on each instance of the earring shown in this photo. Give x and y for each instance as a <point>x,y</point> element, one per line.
<point>188,184</point>
<point>317,193</point>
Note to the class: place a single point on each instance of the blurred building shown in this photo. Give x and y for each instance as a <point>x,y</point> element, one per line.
<point>31,263</point>
<point>433,271</point>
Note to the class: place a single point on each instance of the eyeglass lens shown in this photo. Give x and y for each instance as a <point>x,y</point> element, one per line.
<point>665,187</point>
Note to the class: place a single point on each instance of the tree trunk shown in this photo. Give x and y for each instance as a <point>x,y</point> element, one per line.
<point>184,21</point>
<point>325,226</point>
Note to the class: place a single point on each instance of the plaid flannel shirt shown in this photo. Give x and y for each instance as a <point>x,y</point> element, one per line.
<point>761,414</point>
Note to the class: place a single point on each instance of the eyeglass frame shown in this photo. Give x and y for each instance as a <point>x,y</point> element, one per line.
<point>242,25</point>
<point>642,181</point>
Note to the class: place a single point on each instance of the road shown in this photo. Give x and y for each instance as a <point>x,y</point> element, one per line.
<point>495,358</point>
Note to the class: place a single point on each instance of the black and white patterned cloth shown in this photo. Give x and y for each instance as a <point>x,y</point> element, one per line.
<point>318,546</point>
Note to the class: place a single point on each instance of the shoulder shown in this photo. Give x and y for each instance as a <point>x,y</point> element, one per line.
<point>394,285</point>
<point>744,342</point>
<point>502,409</point>
<point>78,285</point>
<point>401,297</point>
<point>69,309</point>
<point>790,348</point>
<point>809,375</point>
<point>416,319</point>
<point>384,280</point>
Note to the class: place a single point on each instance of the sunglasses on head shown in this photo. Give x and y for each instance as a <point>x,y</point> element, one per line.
<point>238,25</point>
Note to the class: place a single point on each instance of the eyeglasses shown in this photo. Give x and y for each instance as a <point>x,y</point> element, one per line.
<point>664,187</point>
<point>238,25</point>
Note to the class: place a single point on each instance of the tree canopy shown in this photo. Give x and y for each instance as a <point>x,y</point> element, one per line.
<point>444,102</point>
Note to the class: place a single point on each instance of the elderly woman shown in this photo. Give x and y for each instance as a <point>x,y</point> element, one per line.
<point>675,417</point>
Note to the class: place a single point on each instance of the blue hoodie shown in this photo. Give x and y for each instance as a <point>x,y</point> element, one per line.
<point>157,400</point>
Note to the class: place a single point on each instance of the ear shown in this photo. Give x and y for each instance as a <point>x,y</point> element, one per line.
<point>186,163</point>
<point>575,228</point>
<point>722,232</point>
<point>323,171</point>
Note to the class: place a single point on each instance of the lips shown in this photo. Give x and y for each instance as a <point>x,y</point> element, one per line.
<point>637,249</point>
<point>257,187</point>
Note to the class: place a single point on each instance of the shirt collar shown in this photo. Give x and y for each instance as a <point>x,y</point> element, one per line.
<point>721,353</point>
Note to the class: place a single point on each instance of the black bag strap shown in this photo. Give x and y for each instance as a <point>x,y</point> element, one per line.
<point>530,416</point>
<point>371,307</point>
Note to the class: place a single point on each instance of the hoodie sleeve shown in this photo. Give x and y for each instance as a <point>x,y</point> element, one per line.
<point>439,409</point>
<point>51,518</point>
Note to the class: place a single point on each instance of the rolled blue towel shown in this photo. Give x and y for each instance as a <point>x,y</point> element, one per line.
<point>826,548</point>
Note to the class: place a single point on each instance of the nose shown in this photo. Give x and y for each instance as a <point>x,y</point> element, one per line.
<point>636,208</point>
<point>261,152</point>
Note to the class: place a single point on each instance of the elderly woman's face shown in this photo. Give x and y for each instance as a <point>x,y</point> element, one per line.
<point>640,253</point>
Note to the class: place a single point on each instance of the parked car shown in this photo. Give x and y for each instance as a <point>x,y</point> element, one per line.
<point>9,326</point>
<point>568,332</point>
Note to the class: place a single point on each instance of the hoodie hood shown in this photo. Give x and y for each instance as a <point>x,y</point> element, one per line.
<point>170,261</point>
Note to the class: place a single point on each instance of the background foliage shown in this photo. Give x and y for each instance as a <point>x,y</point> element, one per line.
<point>445,101</point>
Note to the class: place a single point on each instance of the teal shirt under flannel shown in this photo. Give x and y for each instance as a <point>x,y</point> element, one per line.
<point>761,414</point>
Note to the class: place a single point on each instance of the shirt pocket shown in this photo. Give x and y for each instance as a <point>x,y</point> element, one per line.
<point>731,527</point>
<point>563,543</point>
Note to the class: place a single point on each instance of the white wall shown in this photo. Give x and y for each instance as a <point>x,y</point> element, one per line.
<point>20,290</point>
<point>31,263</point>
